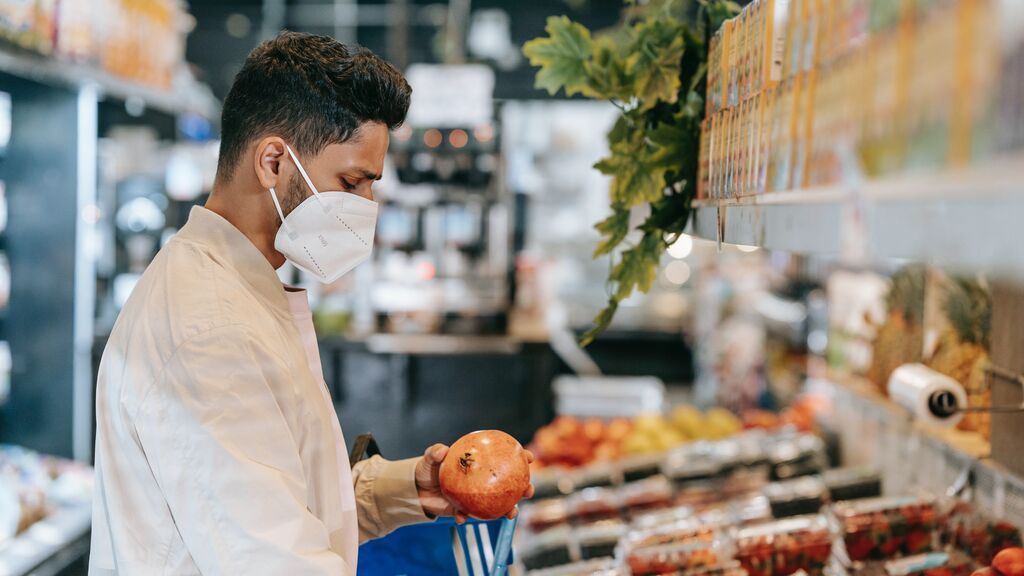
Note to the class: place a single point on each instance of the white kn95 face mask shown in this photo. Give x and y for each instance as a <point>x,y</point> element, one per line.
<point>329,233</point>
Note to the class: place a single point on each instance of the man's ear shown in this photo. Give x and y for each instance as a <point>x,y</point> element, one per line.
<point>267,161</point>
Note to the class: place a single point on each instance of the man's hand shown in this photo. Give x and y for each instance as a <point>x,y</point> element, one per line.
<point>433,501</point>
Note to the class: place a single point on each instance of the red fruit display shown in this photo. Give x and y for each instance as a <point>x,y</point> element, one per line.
<point>883,528</point>
<point>485,474</point>
<point>784,547</point>
<point>1010,562</point>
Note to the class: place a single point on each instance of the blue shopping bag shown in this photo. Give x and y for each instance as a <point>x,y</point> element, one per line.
<point>440,548</point>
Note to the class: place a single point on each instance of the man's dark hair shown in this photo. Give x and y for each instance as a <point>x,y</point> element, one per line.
<point>312,91</point>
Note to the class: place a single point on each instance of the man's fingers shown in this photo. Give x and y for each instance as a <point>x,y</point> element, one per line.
<point>460,518</point>
<point>529,492</point>
<point>436,453</point>
<point>513,513</point>
<point>529,456</point>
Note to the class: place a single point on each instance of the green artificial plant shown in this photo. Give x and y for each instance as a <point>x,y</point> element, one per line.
<point>653,67</point>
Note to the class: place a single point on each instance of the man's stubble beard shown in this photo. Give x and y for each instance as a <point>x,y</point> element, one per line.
<point>295,194</point>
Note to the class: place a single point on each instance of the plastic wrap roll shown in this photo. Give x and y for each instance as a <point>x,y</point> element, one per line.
<point>930,397</point>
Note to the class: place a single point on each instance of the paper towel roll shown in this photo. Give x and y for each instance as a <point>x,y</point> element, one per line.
<point>925,393</point>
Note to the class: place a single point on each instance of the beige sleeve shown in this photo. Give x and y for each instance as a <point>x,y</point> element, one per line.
<point>386,496</point>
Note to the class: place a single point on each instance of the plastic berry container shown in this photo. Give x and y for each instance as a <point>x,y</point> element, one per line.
<point>596,567</point>
<point>551,482</point>
<point>653,519</point>
<point>692,462</point>
<point>852,483</point>
<point>674,558</point>
<point>594,475</point>
<point>796,497</point>
<point>750,510</point>
<point>785,546</point>
<point>887,527</point>
<point>688,531</point>
<point>600,539</point>
<point>797,455</point>
<point>977,535</point>
<point>652,493</point>
<point>640,466</point>
<point>727,568</point>
<point>543,514</point>
<point>551,547</point>
<point>594,504</point>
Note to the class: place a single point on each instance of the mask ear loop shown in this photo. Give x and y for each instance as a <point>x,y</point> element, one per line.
<point>287,228</point>
<point>305,176</point>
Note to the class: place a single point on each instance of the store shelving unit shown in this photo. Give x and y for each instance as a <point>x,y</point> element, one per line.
<point>913,457</point>
<point>50,71</point>
<point>48,546</point>
<point>962,219</point>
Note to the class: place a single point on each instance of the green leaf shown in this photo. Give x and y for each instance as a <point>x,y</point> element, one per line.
<point>609,71</point>
<point>637,168</point>
<point>638,266</point>
<point>614,228</point>
<point>561,56</point>
<point>669,215</point>
<point>601,322</point>
<point>658,52</point>
<point>719,11</point>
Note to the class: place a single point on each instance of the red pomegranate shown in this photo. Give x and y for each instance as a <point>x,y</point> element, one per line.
<point>485,474</point>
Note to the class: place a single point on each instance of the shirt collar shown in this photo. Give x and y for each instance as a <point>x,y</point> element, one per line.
<point>238,252</point>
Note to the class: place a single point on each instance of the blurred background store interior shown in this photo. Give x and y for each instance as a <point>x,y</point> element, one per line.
<point>784,308</point>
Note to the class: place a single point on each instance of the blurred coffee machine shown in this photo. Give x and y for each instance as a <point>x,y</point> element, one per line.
<point>444,253</point>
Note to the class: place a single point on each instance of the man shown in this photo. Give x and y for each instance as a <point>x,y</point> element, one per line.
<point>218,450</point>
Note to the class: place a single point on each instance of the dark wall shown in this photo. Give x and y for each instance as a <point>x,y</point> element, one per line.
<point>40,171</point>
<point>218,56</point>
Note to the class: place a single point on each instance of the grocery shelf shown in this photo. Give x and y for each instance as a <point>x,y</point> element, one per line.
<point>964,219</point>
<point>50,545</point>
<point>46,70</point>
<point>969,444</point>
<point>913,457</point>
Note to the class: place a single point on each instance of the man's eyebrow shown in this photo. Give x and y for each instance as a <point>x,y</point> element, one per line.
<point>369,175</point>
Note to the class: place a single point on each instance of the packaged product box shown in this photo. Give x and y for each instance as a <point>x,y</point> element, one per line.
<point>714,90</point>
<point>17,21</point>
<point>773,30</point>
<point>803,112</point>
<point>883,147</point>
<point>793,41</point>
<point>780,154</point>
<point>813,11</point>
<point>1010,14</point>
<point>77,34</point>
<point>703,159</point>
<point>826,100</point>
<point>743,54</point>
<point>765,108</point>
<point>932,94</point>
<point>733,56</point>
<point>45,25</point>
<point>714,156</point>
<point>727,61</point>
<point>983,67</point>
<point>742,134</point>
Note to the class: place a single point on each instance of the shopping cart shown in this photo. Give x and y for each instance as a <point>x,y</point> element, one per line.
<point>441,548</point>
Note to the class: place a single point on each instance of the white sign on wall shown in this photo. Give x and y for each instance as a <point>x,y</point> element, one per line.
<point>445,96</point>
